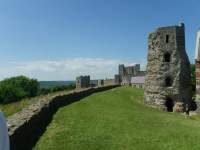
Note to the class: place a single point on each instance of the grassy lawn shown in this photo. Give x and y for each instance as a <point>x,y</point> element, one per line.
<point>118,120</point>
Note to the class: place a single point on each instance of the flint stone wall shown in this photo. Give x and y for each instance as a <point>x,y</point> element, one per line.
<point>197,64</point>
<point>26,126</point>
<point>168,61</point>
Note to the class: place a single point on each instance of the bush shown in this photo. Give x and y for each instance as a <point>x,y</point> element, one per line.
<point>15,88</point>
<point>44,91</point>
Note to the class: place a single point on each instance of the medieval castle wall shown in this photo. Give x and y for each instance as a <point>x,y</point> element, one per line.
<point>127,72</point>
<point>109,82</point>
<point>82,82</point>
<point>34,119</point>
<point>100,83</point>
<point>168,80</point>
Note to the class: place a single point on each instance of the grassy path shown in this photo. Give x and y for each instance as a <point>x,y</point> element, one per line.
<point>118,120</point>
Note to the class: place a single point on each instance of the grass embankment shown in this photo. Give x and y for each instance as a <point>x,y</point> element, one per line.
<point>118,120</point>
<point>14,107</point>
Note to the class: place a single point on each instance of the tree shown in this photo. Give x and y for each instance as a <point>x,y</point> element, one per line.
<point>15,88</point>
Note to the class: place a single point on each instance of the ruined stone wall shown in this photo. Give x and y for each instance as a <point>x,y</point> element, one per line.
<point>109,82</point>
<point>121,69</point>
<point>197,65</point>
<point>82,82</point>
<point>117,79</point>
<point>168,80</point>
<point>126,73</point>
<point>126,80</point>
<point>26,126</point>
<point>129,70</point>
<point>100,82</point>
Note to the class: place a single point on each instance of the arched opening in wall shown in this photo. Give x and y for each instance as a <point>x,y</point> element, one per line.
<point>168,82</point>
<point>167,38</point>
<point>167,57</point>
<point>169,104</point>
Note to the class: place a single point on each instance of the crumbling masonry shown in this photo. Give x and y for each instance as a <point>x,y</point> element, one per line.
<point>82,82</point>
<point>168,80</point>
<point>126,73</point>
<point>197,64</point>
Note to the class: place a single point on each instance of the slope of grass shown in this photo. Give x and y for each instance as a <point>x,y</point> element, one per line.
<point>118,120</point>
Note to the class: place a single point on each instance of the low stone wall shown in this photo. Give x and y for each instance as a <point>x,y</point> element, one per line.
<point>109,82</point>
<point>26,126</point>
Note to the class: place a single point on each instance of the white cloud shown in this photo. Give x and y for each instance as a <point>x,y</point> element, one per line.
<point>66,69</point>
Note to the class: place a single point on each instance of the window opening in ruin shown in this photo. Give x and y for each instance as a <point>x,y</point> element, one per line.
<point>167,57</point>
<point>168,82</point>
<point>169,104</point>
<point>167,39</point>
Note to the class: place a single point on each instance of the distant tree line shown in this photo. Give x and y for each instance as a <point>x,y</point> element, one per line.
<point>16,88</point>
<point>44,91</point>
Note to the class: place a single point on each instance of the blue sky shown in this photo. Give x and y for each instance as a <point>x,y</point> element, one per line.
<point>59,39</point>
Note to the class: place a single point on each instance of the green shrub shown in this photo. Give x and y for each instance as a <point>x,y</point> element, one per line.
<point>15,88</point>
<point>44,91</point>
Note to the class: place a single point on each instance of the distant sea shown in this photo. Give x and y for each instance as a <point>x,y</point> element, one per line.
<point>51,84</point>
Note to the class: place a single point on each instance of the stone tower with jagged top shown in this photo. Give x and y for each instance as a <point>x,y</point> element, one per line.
<point>168,80</point>
<point>197,64</point>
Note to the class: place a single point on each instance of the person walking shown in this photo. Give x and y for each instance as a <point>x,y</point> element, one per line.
<point>4,138</point>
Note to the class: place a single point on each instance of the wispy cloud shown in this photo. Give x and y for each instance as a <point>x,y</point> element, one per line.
<point>66,69</point>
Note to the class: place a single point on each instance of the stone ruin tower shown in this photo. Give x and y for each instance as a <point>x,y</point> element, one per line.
<point>168,80</point>
<point>197,64</point>
<point>82,82</point>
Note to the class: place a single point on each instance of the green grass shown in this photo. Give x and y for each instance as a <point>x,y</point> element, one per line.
<point>11,108</point>
<point>118,120</point>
